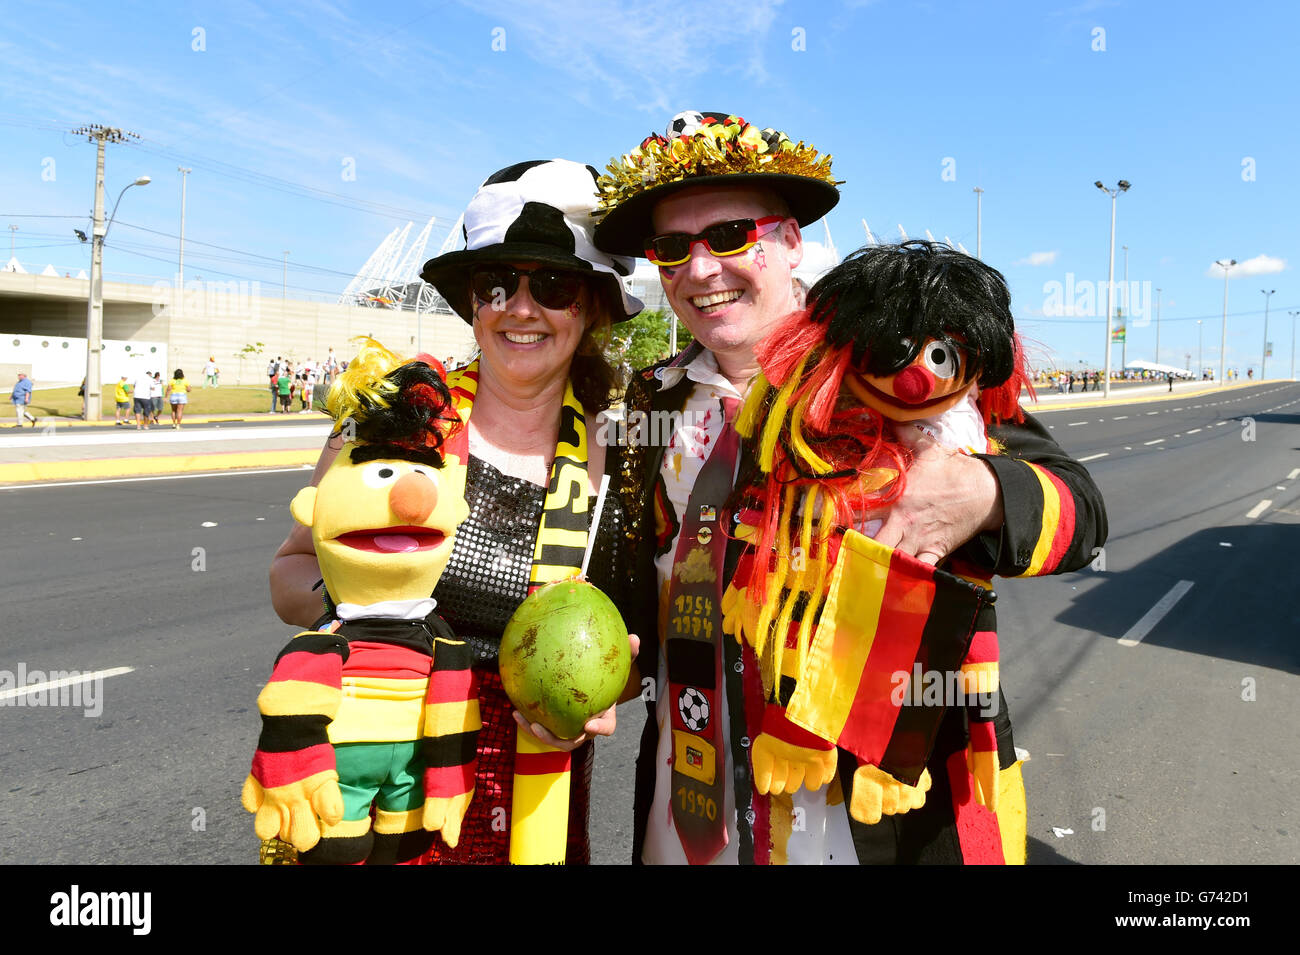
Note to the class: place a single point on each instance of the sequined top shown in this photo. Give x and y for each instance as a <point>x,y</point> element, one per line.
<point>492,556</point>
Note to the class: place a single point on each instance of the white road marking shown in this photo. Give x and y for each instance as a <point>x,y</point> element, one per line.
<point>1195,431</point>
<point>1128,447</point>
<point>1276,487</point>
<point>1155,614</point>
<point>1156,441</point>
<point>158,477</point>
<point>1094,457</point>
<point>1120,417</point>
<point>1152,412</point>
<point>1258,509</point>
<point>65,681</point>
<point>1074,424</point>
<point>1295,472</point>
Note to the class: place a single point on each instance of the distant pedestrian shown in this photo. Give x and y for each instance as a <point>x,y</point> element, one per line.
<point>273,373</point>
<point>156,396</point>
<point>142,406</point>
<point>284,390</point>
<point>22,397</point>
<point>307,395</point>
<point>1070,389</point>
<point>1170,376</point>
<point>122,399</point>
<point>210,372</point>
<point>178,396</point>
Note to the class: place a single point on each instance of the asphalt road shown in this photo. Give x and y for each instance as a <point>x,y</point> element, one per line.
<point>1178,748</point>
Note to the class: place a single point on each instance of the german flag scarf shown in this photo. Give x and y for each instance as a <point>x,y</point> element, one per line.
<point>540,811</point>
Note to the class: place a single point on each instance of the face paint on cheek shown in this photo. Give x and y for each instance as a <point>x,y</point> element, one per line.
<point>572,309</point>
<point>668,271</point>
<point>760,257</point>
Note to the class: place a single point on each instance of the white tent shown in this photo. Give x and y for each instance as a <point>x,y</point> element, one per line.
<point>50,270</point>
<point>13,265</point>
<point>1139,364</point>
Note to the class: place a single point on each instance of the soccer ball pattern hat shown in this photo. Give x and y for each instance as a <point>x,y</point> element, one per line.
<point>536,211</point>
<point>703,149</point>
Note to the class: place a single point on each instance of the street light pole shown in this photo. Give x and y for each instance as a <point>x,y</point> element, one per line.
<point>95,305</point>
<point>1122,186</point>
<point>1200,349</point>
<point>1128,308</point>
<point>1224,264</point>
<point>1263,362</point>
<point>180,267</point>
<point>1293,318</point>
<point>979,231</point>
<point>1157,326</point>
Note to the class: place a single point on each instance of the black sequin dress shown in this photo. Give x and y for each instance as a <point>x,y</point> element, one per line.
<point>485,580</point>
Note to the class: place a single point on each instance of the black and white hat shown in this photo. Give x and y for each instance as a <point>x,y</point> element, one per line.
<point>537,211</point>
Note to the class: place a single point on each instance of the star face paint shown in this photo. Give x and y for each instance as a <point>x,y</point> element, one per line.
<point>760,257</point>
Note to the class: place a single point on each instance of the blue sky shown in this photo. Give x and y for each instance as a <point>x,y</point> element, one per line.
<point>319,127</point>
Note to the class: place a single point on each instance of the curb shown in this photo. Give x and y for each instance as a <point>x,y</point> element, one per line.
<point>26,472</point>
<point>1040,407</point>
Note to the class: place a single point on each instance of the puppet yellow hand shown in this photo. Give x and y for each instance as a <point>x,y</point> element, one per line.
<point>445,813</point>
<point>781,767</point>
<point>294,811</point>
<point>739,615</point>
<point>876,794</point>
<point>984,772</point>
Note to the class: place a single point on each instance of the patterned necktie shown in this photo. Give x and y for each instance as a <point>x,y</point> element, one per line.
<point>692,628</point>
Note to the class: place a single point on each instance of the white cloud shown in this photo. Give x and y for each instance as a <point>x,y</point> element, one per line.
<point>1037,258</point>
<point>1259,265</point>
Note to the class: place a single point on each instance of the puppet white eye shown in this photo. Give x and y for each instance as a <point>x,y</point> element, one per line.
<point>942,360</point>
<point>379,474</point>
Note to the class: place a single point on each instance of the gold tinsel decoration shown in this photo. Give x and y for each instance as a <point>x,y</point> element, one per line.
<point>715,149</point>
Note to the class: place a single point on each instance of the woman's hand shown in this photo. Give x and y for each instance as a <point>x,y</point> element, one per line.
<point>602,724</point>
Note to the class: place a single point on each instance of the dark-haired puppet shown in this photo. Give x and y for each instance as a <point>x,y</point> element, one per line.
<point>895,341</point>
<point>379,707</point>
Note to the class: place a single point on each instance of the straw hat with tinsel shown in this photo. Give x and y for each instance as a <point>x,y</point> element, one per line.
<point>705,149</point>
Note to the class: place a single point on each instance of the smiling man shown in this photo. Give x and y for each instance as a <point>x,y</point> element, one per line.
<point>718,205</point>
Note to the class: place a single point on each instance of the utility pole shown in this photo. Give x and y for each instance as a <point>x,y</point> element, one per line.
<point>1224,264</point>
<point>1263,362</point>
<point>1122,186</point>
<point>180,268</point>
<point>1123,346</point>
<point>979,226</point>
<point>95,308</point>
<point>1158,328</point>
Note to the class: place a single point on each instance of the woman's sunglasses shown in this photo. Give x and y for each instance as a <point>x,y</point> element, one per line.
<point>724,238</point>
<point>550,288</point>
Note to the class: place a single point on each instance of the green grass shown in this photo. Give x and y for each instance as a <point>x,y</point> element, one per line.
<point>227,399</point>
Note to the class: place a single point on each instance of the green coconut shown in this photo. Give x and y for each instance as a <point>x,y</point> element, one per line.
<point>564,656</point>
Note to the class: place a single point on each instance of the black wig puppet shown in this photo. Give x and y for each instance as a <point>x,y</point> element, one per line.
<point>895,338</point>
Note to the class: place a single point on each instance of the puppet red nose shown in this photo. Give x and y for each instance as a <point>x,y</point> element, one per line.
<point>913,385</point>
<point>413,498</point>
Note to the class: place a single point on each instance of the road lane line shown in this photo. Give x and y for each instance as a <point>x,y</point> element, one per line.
<point>1120,417</point>
<point>1155,614</point>
<point>156,477</point>
<point>1074,424</point>
<point>1153,412</point>
<point>1294,473</point>
<point>65,681</point>
<point>1258,509</point>
<point>1195,431</point>
<point>1094,457</point>
<point>1156,441</point>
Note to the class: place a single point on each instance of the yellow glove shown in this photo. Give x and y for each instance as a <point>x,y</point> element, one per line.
<point>983,764</point>
<point>876,794</point>
<point>445,814</point>
<point>785,756</point>
<point>739,615</point>
<point>294,811</point>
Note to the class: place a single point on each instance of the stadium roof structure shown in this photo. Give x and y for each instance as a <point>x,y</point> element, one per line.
<point>391,276</point>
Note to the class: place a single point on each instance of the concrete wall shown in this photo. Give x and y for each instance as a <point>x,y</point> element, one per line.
<point>215,319</point>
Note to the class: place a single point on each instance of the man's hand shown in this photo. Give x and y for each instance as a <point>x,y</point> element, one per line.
<point>948,499</point>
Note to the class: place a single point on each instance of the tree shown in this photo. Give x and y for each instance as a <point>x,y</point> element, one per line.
<point>248,351</point>
<point>644,340</point>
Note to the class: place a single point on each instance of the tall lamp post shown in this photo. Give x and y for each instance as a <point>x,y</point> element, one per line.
<point>1224,264</point>
<point>95,312</point>
<point>1293,318</point>
<point>1122,186</point>
<point>1157,326</point>
<point>1263,361</point>
<point>1200,349</point>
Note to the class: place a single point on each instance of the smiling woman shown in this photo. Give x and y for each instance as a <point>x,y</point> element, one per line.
<point>541,300</point>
